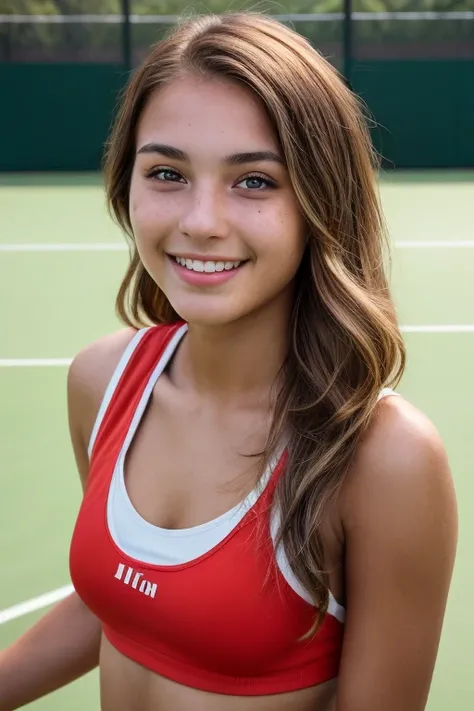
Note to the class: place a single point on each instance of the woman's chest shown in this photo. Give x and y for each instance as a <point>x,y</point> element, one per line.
<point>186,468</point>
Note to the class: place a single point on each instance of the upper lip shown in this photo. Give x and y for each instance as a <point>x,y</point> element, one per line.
<point>205,257</point>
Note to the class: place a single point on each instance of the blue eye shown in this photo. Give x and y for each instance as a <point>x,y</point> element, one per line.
<point>165,175</point>
<point>256,182</point>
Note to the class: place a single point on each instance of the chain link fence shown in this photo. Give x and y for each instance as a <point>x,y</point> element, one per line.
<point>120,35</point>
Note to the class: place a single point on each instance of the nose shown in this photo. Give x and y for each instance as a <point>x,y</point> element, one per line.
<point>203,215</point>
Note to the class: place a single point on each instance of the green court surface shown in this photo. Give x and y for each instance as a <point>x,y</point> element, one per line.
<point>61,261</point>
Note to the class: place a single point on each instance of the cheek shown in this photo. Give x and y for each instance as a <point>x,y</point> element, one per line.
<point>142,218</point>
<point>150,217</point>
<point>282,238</point>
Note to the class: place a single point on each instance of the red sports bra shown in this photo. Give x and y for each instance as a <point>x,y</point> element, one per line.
<point>228,620</point>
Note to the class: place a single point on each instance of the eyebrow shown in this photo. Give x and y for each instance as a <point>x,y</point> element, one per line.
<point>235,159</point>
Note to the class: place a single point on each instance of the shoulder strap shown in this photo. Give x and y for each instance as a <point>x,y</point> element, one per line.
<point>386,392</point>
<point>113,382</point>
<point>129,380</point>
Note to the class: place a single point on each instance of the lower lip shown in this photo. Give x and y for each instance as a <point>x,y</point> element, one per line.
<point>204,278</point>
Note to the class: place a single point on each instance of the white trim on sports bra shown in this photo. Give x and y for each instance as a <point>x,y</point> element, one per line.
<point>147,543</point>
<point>117,374</point>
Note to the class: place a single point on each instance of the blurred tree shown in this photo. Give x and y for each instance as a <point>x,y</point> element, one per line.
<point>95,40</point>
<point>176,7</point>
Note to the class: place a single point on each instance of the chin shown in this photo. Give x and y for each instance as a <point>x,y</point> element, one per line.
<point>202,312</point>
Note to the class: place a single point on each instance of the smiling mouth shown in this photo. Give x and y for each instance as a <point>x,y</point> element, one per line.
<point>207,266</point>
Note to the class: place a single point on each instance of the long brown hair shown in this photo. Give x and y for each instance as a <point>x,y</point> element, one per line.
<point>345,342</point>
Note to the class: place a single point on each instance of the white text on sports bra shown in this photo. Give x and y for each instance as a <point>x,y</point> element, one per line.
<point>145,587</point>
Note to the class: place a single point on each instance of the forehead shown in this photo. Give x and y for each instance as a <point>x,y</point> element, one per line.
<point>211,114</point>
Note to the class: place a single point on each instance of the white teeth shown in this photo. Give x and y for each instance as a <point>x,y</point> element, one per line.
<point>196,265</point>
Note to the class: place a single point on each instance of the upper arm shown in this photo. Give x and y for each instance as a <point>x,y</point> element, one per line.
<point>400,522</point>
<point>88,377</point>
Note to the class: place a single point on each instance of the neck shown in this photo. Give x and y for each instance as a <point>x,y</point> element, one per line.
<point>239,360</point>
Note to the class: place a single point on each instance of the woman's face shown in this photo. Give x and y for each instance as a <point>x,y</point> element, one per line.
<point>214,215</point>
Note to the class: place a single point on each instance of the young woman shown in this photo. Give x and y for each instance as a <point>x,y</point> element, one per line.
<point>265,524</point>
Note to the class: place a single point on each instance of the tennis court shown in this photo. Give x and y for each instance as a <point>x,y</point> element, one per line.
<point>61,261</point>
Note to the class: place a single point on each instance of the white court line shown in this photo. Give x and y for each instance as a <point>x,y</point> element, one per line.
<point>36,603</point>
<point>436,244</point>
<point>66,247</point>
<point>65,362</point>
<point>463,328</point>
<point>123,247</point>
<point>34,362</point>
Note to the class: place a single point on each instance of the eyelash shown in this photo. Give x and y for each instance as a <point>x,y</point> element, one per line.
<point>259,176</point>
<point>155,171</point>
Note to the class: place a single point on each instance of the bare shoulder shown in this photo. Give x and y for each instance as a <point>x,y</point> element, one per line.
<point>88,377</point>
<point>399,517</point>
<point>92,368</point>
<point>401,458</point>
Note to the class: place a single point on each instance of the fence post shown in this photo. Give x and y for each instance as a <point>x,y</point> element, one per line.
<point>348,41</point>
<point>126,36</point>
